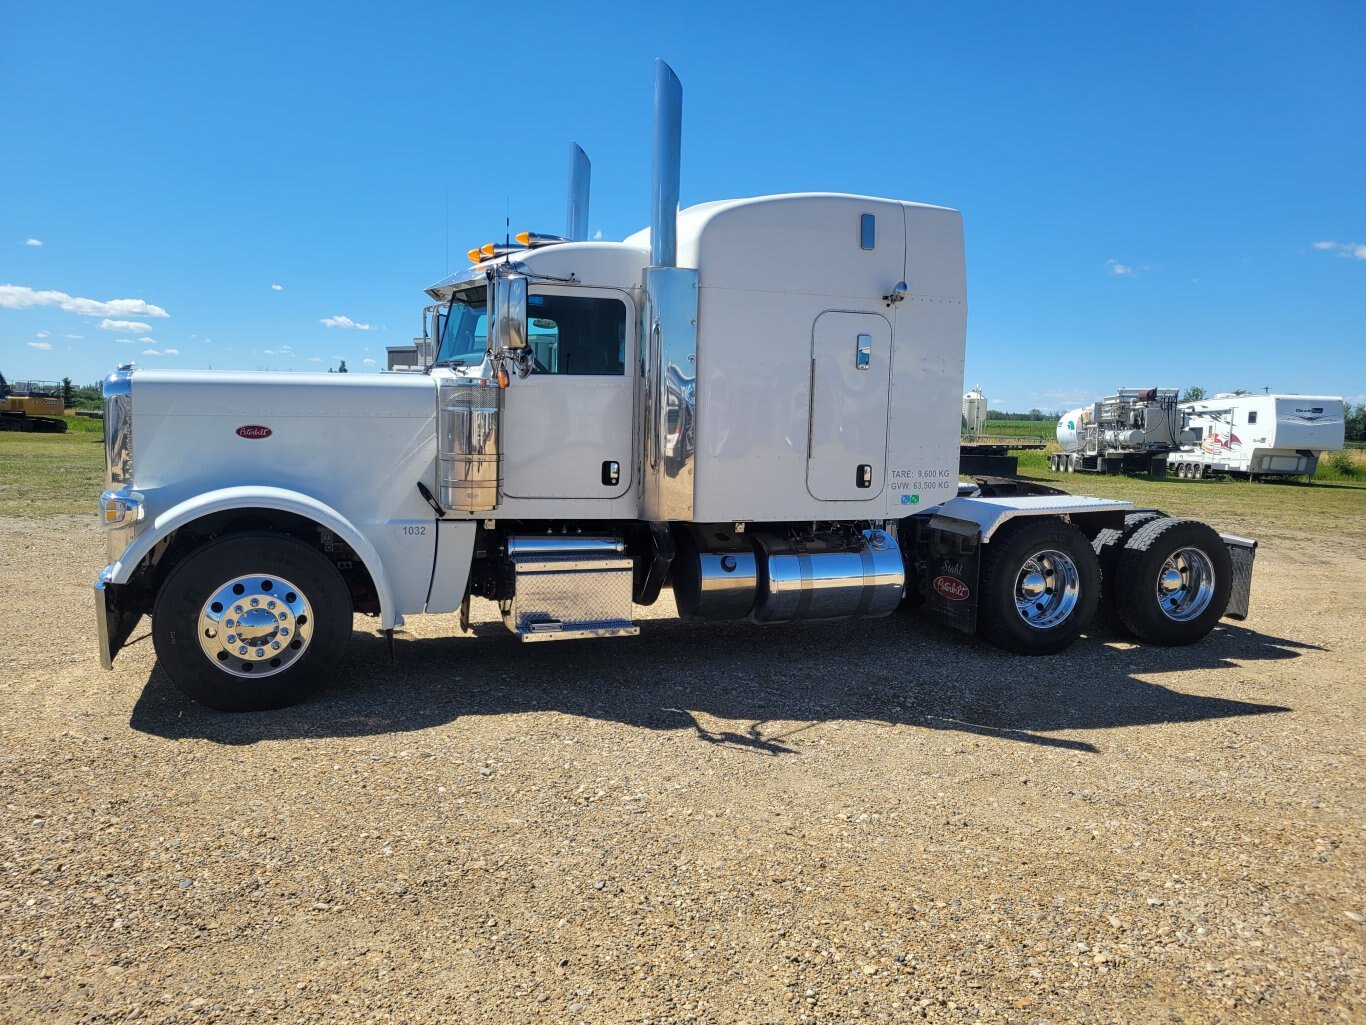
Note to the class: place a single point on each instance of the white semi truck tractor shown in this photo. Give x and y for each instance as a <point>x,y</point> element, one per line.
<point>753,404</point>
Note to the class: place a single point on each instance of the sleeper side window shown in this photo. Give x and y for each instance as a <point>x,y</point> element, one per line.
<point>1252,417</point>
<point>577,335</point>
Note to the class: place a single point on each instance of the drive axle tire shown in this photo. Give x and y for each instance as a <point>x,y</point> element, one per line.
<point>1173,581</point>
<point>1040,586</point>
<point>1107,545</point>
<point>251,622</point>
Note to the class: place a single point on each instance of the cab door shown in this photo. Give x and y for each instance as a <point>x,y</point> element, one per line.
<point>569,427</point>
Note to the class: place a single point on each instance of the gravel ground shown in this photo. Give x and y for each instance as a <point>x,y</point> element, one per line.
<point>702,824</point>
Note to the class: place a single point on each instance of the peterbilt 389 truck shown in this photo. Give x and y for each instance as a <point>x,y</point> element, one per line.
<point>753,404</point>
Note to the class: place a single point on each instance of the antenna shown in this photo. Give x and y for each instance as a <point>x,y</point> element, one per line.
<point>448,229</point>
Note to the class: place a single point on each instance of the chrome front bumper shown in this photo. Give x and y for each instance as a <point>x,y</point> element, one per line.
<point>114,623</point>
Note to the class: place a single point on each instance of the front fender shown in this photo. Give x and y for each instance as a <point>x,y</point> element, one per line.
<point>251,497</point>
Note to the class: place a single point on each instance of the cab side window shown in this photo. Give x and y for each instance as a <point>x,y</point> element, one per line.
<point>577,335</point>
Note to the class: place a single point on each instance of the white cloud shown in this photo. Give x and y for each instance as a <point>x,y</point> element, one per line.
<point>125,341</point>
<point>315,359</point>
<point>268,352</point>
<point>171,352</point>
<point>33,242</point>
<point>278,288</point>
<point>1346,250</point>
<point>597,235</point>
<point>40,345</point>
<point>148,341</point>
<point>74,338</point>
<point>368,362</point>
<point>42,334</point>
<point>19,297</point>
<point>128,326</point>
<point>340,321</point>
<point>150,352</point>
<point>1119,268</point>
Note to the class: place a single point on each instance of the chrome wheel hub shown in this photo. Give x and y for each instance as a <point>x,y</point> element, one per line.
<point>1185,585</point>
<point>255,625</point>
<point>1046,589</point>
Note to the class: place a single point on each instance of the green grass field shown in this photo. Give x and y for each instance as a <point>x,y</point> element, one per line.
<point>48,474</point>
<point>1044,430</point>
<point>1238,506</point>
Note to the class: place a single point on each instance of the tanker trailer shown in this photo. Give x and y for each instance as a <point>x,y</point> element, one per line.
<point>1131,431</point>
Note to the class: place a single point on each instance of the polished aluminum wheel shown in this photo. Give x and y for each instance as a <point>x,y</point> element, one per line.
<point>1046,589</point>
<point>255,625</point>
<point>1185,585</point>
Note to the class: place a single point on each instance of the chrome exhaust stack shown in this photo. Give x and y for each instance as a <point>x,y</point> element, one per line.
<point>668,327</point>
<point>668,139</point>
<point>580,170</point>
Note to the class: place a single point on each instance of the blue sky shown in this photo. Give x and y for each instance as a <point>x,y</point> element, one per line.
<point>1159,194</point>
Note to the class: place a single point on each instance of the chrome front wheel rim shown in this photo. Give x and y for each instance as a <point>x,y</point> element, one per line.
<point>255,625</point>
<point>1185,585</point>
<point>1046,589</point>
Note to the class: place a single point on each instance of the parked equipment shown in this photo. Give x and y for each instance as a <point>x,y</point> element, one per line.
<point>31,406</point>
<point>1133,430</point>
<point>1260,435</point>
<point>750,403</point>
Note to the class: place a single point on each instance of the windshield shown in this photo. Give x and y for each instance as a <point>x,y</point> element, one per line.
<point>463,328</point>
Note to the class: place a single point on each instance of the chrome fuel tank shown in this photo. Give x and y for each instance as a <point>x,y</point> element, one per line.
<point>821,578</point>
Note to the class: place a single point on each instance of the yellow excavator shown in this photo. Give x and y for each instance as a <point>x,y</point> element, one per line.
<point>31,406</point>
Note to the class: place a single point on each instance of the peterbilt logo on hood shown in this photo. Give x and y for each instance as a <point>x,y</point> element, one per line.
<point>253,431</point>
<point>951,588</point>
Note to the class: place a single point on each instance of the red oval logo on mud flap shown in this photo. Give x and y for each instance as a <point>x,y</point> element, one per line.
<point>951,588</point>
<point>253,431</point>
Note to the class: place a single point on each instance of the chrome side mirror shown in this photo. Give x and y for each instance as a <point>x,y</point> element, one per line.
<point>507,313</point>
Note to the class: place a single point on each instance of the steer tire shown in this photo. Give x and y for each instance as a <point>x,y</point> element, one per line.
<point>1006,618</point>
<point>302,589</point>
<point>1186,556</point>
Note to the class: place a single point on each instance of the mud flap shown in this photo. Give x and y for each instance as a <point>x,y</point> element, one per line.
<point>951,578</point>
<point>1242,551</point>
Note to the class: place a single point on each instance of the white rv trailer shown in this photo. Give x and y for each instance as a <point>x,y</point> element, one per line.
<point>755,404</point>
<point>1260,435</point>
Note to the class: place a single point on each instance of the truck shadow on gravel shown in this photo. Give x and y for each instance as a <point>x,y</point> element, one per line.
<point>776,681</point>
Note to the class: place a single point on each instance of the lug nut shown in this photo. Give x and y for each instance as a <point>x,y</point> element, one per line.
<point>242,650</point>
<point>274,645</point>
<point>260,652</point>
<point>232,638</point>
<point>284,631</point>
<point>238,609</point>
<point>270,605</point>
<point>255,602</point>
<point>228,623</point>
